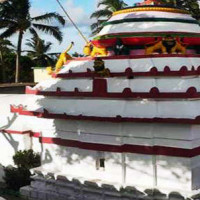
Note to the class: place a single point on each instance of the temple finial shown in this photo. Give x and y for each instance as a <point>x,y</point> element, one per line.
<point>150,2</point>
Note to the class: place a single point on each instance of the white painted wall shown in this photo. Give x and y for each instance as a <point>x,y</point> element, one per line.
<point>172,173</point>
<point>41,74</point>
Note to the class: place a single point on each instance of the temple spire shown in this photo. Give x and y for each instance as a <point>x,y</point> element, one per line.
<point>150,2</point>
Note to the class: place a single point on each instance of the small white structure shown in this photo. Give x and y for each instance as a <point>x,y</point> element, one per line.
<point>40,74</point>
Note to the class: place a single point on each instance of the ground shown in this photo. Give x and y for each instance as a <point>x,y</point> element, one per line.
<point>8,197</point>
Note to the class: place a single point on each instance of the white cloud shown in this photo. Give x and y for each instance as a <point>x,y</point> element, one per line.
<point>77,13</point>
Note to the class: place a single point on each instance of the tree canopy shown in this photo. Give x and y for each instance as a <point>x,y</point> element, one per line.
<point>192,6</point>
<point>39,51</point>
<point>15,18</point>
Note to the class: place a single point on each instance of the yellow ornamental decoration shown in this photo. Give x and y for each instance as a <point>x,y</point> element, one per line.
<point>168,45</point>
<point>63,58</point>
<point>161,9</point>
<point>92,50</point>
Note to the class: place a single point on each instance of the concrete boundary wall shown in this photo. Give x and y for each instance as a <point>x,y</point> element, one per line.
<point>47,188</point>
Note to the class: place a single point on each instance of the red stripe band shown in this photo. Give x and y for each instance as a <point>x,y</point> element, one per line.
<point>147,150</point>
<point>100,91</point>
<point>32,134</point>
<point>129,73</point>
<point>122,57</point>
<point>118,119</point>
<point>126,148</point>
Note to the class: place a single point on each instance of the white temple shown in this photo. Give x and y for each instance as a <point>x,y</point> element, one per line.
<point>135,122</point>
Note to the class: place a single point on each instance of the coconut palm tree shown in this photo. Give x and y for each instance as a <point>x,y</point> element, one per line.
<point>15,18</point>
<point>192,6</point>
<point>102,15</point>
<point>5,48</point>
<point>40,51</point>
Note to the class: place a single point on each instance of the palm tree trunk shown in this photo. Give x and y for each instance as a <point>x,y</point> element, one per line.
<point>2,68</point>
<point>19,49</point>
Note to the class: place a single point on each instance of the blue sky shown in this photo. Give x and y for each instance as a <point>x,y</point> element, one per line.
<point>87,5</point>
<point>79,10</point>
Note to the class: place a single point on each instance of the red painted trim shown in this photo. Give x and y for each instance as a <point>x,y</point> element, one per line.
<point>139,41</point>
<point>130,73</point>
<point>121,57</point>
<point>158,32</point>
<point>118,119</point>
<point>32,134</point>
<point>127,41</point>
<point>126,148</point>
<point>35,134</point>
<point>149,33</point>
<point>100,91</point>
<point>192,41</point>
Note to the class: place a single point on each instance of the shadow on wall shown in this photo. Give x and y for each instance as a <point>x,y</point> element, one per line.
<point>47,158</point>
<point>9,137</point>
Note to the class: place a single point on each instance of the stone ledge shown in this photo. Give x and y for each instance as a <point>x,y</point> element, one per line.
<point>14,88</point>
<point>43,188</point>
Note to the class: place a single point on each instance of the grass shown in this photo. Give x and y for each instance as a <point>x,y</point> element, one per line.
<point>9,194</point>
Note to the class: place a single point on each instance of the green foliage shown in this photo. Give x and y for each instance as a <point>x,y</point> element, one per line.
<point>27,159</point>
<point>15,18</point>
<point>104,14</point>
<point>39,51</point>
<point>76,55</point>
<point>192,6</point>
<point>21,176</point>
<point>27,64</point>
<point>5,48</point>
<point>16,177</point>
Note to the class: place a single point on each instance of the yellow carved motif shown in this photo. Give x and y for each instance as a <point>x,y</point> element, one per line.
<point>63,58</point>
<point>92,50</point>
<point>168,44</point>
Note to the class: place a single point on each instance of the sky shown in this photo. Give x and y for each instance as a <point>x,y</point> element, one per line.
<point>79,10</point>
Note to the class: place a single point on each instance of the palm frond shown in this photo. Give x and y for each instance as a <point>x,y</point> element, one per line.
<point>47,46</point>
<point>6,10</point>
<point>48,17</point>
<point>5,42</point>
<point>9,32</point>
<point>97,27</point>
<point>101,13</point>
<point>102,2</point>
<point>28,51</point>
<point>49,60</point>
<point>53,30</point>
<point>30,44</point>
<point>6,22</point>
<point>33,32</point>
<point>113,5</point>
<point>15,9</point>
<point>109,6</point>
